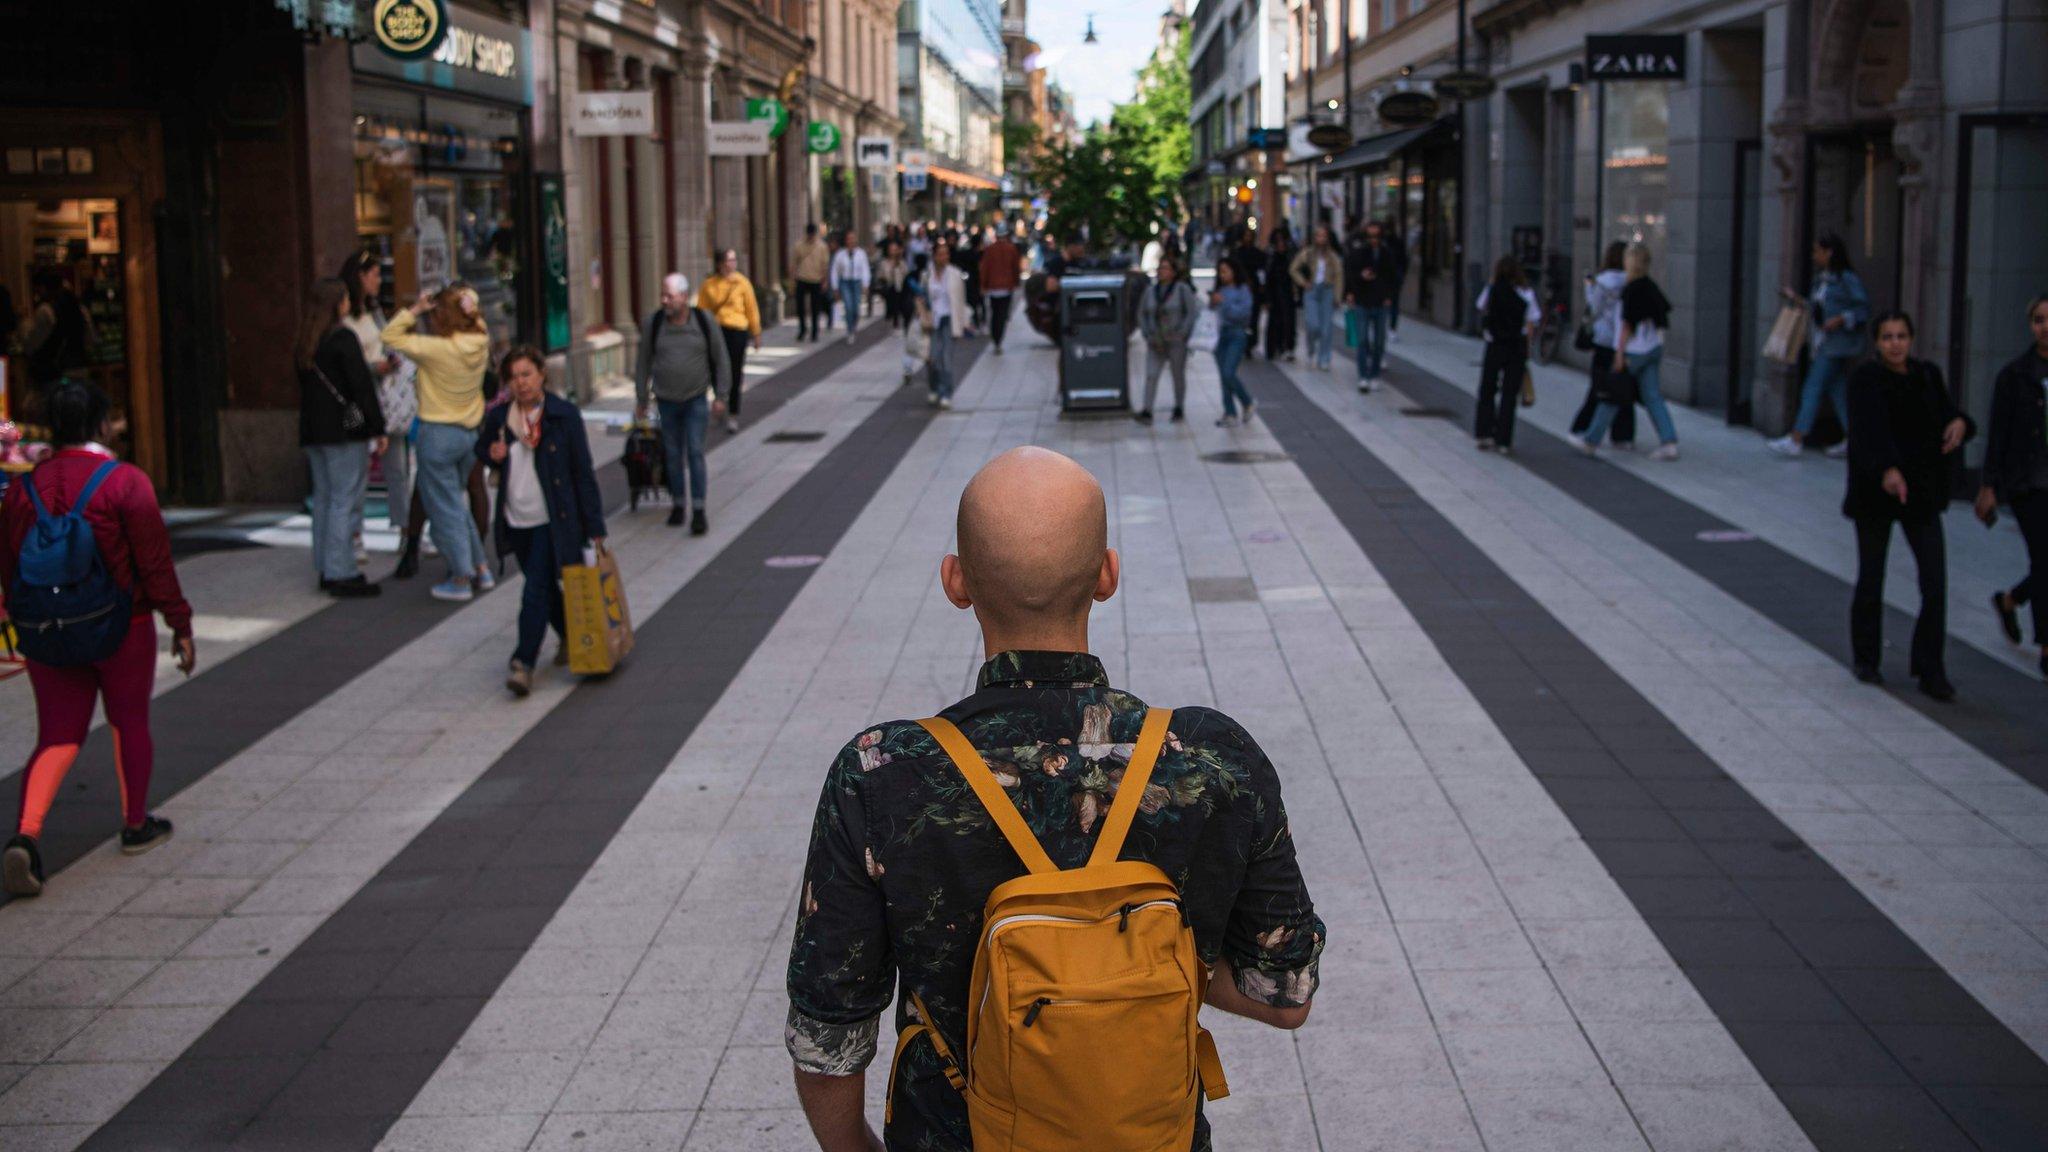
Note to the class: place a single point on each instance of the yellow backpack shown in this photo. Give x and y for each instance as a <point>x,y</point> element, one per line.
<point>1081,1026</point>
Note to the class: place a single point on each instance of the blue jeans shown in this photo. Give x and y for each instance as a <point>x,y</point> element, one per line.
<point>1826,379</point>
<point>849,295</point>
<point>682,441</point>
<point>1319,306</point>
<point>1644,367</point>
<point>340,474</point>
<point>540,601</point>
<point>1372,340</point>
<point>939,369</point>
<point>1230,349</point>
<point>444,455</point>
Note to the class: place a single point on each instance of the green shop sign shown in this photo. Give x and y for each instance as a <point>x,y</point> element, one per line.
<point>822,137</point>
<point>771,110</point>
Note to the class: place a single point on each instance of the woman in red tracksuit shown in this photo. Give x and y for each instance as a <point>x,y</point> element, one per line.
<point>136,549</point>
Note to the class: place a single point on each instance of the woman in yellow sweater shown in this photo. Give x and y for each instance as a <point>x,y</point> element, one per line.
<point>451,393</point>
<point>729,298</point>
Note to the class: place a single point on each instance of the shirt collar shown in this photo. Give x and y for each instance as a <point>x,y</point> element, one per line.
<point>1043,670</point>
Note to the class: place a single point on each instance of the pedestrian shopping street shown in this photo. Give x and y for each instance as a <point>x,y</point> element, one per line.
<point>1612,850</point>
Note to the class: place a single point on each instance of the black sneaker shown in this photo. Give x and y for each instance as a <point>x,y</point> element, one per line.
<point>1178,416</point>
<point>675,516</point>
<point>154,831</point>
<point>1869,674</point>
<point>698,524</point>
<point>353,588</point>
<point>21,868</point>
<point>1937,687</point>
<point>1142,417</point>
<point>2008,616</point>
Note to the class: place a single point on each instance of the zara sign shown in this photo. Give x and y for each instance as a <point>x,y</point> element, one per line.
<point>1635,57</point>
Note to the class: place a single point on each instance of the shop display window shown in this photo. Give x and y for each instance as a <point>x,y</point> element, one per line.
<point>61,280</point>
<point>437,184</point>
<point>1635,164</point>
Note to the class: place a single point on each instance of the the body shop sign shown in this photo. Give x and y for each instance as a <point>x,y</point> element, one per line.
<point>428,42</point>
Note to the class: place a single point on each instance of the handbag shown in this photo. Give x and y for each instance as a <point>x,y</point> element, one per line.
<point>1207,334</point>
<point>352,420</point>
<point>1582,336</point>
<point>1616,386</point>
<point>1788,335</point>
<point>1528,389</point>
<point>1351,334</point>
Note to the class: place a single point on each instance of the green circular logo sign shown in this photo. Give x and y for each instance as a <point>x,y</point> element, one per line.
<point>822,137</point>
<point>409,29</point>
<point>771,110</point>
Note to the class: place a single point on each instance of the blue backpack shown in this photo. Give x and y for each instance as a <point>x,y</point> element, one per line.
<point>66,607</point>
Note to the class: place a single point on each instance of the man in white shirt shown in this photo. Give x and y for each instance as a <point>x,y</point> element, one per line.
<point>850,275</point>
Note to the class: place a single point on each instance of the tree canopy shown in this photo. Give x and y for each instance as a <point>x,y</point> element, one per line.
<point>1120,179</point>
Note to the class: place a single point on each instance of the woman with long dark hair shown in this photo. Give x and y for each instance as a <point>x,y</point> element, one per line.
<point>120,507</point>
<point>340,425</point>
<point>2016,471</point>
<point>1283,298</point>
<point>1232,301</point>
<point>1508,316</point>
<point>1603,308</point>
<point>549,508</point>
<point>1904,432</point>
<point>1841,309</point>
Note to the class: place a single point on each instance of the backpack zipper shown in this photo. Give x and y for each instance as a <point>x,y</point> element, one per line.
<point>64,622</point>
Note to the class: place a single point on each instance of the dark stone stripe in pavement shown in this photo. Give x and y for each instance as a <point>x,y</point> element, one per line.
<point>217,717</point>
<point>1999,710</point>
<point>327,1051</point>
<point>1869,1043</point>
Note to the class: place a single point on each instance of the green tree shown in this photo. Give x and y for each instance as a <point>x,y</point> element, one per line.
<point>1121,178</point>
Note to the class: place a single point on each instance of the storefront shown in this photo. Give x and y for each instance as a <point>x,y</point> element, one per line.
<point>1408,180</point>
<point>75,193</point>
<point>442,169</point>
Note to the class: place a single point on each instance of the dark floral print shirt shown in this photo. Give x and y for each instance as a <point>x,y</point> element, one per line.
<point>903,857</point>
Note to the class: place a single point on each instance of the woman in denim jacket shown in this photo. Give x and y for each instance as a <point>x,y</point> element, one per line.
<point>1234,306</point>
<point>1841,319</point>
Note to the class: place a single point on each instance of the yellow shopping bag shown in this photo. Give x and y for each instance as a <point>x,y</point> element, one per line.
<point>594,607</point>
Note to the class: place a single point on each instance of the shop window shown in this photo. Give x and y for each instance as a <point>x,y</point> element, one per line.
<point>1635,163</point>
<point>63,304</point>
<point>436,197</point>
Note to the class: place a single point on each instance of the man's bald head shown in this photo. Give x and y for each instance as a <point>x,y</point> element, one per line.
<point>1034,540</point>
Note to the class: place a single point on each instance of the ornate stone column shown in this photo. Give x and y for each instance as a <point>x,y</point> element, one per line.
<point>1916,143</point>
<point>692,111</point>
<point>1778,384</point>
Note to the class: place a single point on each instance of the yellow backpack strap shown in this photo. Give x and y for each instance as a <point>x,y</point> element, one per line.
<point>1137,774</point>
<point>993,798</point>
<point>1214,1086</point>
<point>953,1074</point>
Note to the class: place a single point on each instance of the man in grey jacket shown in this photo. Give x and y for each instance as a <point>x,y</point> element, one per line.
<point>1166,315</point>
<point>680,365</point>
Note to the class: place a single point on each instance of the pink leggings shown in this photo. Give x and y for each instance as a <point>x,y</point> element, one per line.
<point>64,702</point>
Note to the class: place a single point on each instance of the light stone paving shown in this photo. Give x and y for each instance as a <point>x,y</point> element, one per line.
<point>123,962</point>
<point>1486,985</point>
<point>1794,504</point>
<point>1945,841</point>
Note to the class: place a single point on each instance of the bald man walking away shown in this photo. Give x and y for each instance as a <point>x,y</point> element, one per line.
<point>681,362</point>
<point>904,853</point>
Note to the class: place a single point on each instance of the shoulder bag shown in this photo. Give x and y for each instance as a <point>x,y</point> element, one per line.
<point>352,420</point>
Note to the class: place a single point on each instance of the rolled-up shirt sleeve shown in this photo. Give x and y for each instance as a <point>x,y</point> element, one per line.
<point>1274,939</point>
<point>841,971</point>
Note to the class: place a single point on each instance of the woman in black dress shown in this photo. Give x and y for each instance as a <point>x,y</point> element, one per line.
<point>1282,297</point>
<point>2016,471</point>
<point>1904,430</point>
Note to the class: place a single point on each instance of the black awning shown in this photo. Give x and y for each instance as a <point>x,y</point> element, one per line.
<point>1379,149</point>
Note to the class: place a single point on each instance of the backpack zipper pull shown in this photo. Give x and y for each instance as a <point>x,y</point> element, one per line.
<point>1037,1006</point>
<point>1123,918</point>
